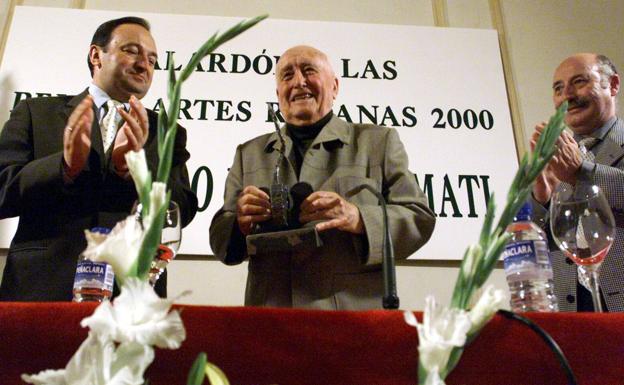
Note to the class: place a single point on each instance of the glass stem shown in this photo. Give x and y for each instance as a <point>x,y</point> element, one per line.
<point>595,289</point>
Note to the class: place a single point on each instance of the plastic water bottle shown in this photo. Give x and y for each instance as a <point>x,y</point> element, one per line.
<point>94,280</point>
<point>527,266</point>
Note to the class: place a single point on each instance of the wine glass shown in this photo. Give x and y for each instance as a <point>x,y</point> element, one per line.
<point>582,225</point>
<point>170,240</point>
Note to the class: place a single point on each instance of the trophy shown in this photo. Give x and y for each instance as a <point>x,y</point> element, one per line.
<point>283,232</point>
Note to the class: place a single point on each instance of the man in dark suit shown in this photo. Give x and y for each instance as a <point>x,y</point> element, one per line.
<point>594,154</point>
<point>62,164</point>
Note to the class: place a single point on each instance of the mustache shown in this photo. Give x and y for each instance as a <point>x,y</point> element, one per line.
<point>578,102</point>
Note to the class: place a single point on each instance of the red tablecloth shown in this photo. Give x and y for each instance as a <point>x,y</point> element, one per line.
<point>282,346</point>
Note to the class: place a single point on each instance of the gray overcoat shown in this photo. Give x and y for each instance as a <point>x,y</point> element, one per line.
<point>345,273</point>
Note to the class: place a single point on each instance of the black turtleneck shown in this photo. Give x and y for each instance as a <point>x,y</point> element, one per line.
<point>303,136</point>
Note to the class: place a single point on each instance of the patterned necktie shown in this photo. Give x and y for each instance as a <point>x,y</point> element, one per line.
<point>110,123</point>
<point>585,146</point>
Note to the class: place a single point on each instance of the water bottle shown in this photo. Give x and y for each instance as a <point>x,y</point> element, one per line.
<point>527,266</point>
<point>94,280</point>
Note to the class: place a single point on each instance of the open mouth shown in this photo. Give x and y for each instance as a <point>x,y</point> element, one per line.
<point>304,96</point>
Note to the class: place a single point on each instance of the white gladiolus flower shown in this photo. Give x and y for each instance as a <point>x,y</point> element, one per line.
<point>131,361</point>
<point>91,362</point>
<point>138,316</point>
<point>46,377</point>
<point>120,248</point>
<point>157,196</point>
<point>97,362</point>
<point>442,330</point>
<point>119,349</point>
<point>433,378</point>
<point>469,265</point>
<point>490,301</point>
<point>137,165</point>
<point>157,201</point>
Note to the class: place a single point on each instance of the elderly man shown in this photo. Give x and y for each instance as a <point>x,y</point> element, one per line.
<point>592,154</point>
<point>334,157</point>
<point>62,165</point>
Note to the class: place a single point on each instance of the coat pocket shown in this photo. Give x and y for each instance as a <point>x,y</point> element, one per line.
<point>352,188</point>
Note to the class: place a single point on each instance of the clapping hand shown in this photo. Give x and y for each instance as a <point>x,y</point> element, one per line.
<point>562,167</point>
<point>77,138</point>
<point>132,135</point>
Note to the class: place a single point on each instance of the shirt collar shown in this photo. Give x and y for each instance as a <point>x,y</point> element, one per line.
<point>100,97</point>
<point>600,133</point>
<point>335,130</point>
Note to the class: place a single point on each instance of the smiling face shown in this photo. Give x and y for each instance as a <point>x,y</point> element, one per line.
<point>590,94</point>
<point>126,65</point>
<point>306,85</point>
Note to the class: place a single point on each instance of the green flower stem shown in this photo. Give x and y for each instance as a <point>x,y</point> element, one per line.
<point>151,241</point>
<point>480,259</point>
<point>196,373</point>
<point>422,374</point>
<point>167,129</point>
<point>166,146</point>
<point>492,242</point>
<point>452,362</point>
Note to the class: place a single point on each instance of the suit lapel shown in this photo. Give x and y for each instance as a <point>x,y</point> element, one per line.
<point>611,151</point>
<point>320,160</point>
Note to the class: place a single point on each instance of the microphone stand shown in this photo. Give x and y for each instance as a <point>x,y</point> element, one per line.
<point>390,298</point>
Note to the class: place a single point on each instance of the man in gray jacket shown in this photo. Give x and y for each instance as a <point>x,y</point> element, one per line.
<point>590,84</point>
<point>335,158</point>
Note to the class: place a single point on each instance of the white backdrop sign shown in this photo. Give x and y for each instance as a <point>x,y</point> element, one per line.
<point>442,89</point>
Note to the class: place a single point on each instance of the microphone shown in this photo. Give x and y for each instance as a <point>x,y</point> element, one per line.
<point>298,193</point>
<point>390,298</point>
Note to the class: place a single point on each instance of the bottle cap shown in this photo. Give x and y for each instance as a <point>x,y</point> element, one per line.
<point>164,253</point>
<point>525,212</point>
<point>101,230</point>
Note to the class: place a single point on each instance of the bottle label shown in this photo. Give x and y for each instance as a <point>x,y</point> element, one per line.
<point>95,275</point>
<point>524,256</point>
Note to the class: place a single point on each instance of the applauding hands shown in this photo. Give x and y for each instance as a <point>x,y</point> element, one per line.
<point>131,136</point>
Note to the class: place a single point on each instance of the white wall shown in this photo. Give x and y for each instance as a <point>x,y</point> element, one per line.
<point>539,34</point>
<point>213,283</point>
<point>542,33</point>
